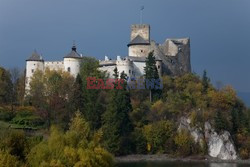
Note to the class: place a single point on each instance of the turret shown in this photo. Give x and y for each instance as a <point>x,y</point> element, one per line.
<point>139,45</point>
<point>72,62</point>
<point>35,62</point>
<point>126,66</point>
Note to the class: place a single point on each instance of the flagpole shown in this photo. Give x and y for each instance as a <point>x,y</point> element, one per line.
<point>141,16</point>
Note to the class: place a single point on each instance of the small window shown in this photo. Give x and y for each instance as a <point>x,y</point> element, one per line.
<point>158,67</point>
<point>68,69</point>
<point>141,51</point>
<point>32,71</point>
<point>129,71</point>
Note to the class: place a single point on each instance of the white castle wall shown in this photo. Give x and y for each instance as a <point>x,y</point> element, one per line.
<point>31,67</point>
<point>108,69</point>
<point>125,66</point>
<point>139,68</point>
<point>54,65</point>
<point>72,65</point>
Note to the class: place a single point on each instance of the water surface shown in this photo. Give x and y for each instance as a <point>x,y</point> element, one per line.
<point>179,164</point>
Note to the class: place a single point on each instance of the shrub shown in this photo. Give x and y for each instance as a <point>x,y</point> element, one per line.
<point>27,119</point>
<point>139,141</point>
<point>77,147</point>
<point>184,143</point>
<point>244,154</point>
<point>6,114</point>
<point>8,160</point>
<point>15,142</point>
<point>157,135</point>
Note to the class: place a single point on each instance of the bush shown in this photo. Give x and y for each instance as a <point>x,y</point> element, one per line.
<point>76,147</point>
<point>15,142</point>
<point>27,119</point>
<point>139,141</point>
<point>6,114</point>
<point>184,143</point>
<point>157,135</point>
<point>8,160</point>
<point>244,154</point>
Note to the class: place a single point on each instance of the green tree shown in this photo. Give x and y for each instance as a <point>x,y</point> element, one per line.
<point>6,87</point>
<point>94,99</point>
<point>117,125</point>
<point>77,97</point>
<point>151,73</point>
<point>20,88</point>
<point>205,82</point>
<point>220,122</point>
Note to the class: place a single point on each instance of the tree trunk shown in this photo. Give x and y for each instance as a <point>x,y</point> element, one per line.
<point>150,95</point>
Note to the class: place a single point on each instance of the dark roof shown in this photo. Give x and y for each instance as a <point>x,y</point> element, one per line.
<point>138,40</point>
<point>73,53</point>
<point>35,57</point>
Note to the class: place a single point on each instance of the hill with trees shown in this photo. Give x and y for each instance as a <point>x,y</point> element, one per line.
<point>62,123</point>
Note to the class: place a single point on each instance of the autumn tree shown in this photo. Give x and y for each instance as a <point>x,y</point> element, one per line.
<point>76,147</point>
<point>6,87</point>
<point>49,92</point>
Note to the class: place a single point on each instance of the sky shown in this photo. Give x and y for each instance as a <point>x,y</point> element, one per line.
<point>219,31</point>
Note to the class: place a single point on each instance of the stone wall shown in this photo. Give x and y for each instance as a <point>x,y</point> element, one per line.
<point>139,50</point>
<point>140,29</point>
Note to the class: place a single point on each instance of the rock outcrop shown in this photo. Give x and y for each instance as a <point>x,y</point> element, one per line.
<point>219,145</point>
<point>195,132</point>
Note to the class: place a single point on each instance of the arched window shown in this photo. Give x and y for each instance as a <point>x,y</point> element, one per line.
<point>68,69</point>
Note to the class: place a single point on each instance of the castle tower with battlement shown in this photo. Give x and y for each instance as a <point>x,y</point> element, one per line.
<point>139,44</point>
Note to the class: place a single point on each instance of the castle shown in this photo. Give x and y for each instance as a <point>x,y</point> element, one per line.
<point>172,57</point>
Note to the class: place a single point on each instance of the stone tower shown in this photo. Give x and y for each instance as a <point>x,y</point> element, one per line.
<point>139,44</point>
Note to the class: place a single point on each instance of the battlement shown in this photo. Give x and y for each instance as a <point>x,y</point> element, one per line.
<point>142,30</point>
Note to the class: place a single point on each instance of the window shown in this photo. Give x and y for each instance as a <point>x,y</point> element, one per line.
<point>141,51</point>
<point>129,71</point>
<point>158,67</point>
<point>68,69</point>
<point>32,71</point>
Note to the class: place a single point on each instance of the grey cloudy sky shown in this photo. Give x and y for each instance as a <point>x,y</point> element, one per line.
<point>219,31</point>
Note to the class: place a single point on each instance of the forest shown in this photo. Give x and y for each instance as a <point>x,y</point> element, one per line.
<point>61,123</point>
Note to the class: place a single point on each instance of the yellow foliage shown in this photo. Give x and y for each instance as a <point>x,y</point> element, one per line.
<point>76,147</point>
<point>224,99</point>
<point>184,143</point>
<point>8,160</point>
